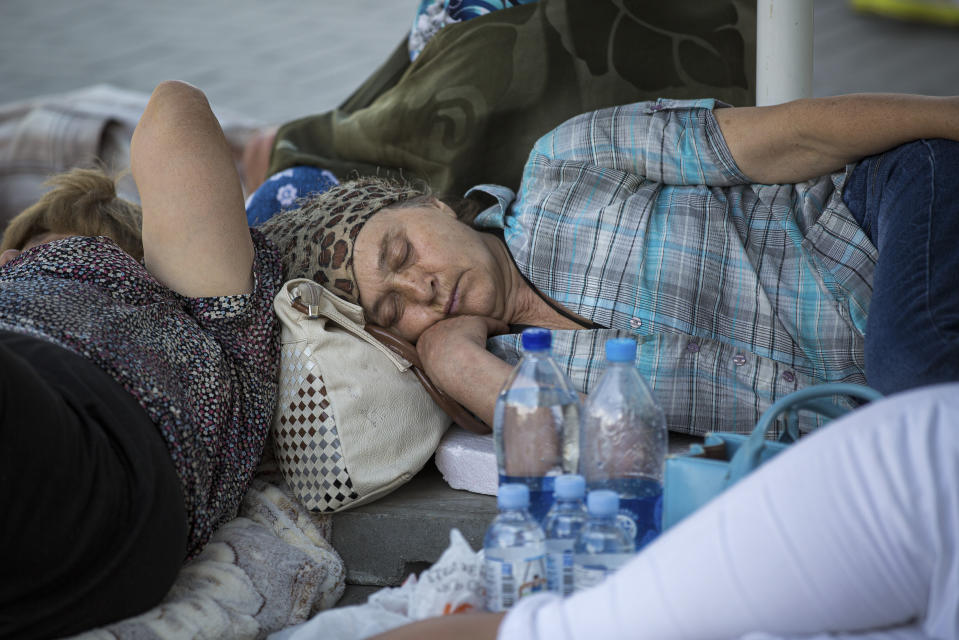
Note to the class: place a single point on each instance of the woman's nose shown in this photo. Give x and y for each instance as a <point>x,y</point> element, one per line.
<point>417,286</point>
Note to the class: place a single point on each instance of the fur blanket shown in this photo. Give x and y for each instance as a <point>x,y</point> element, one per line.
<point>269,568</point>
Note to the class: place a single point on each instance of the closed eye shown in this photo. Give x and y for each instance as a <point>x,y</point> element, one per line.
<point>402,254</point>
<point>390,310</point>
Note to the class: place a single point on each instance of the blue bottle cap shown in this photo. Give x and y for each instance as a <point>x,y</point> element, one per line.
<point>512,496</point>
<point>569,487</point>
<point>621,350</point>
<point>535,339</point>
<point>602,502</point>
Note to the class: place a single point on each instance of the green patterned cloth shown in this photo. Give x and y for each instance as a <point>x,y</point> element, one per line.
<point>469,109</point>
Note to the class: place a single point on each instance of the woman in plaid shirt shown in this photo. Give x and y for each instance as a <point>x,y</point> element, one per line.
<point>739,246</point>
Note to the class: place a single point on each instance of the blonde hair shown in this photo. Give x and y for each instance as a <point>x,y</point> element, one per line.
<point>81,202</point>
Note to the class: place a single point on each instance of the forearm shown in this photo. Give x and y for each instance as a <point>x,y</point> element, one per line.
<point>463,626</point>
<point>808,138</point>
<point>473,377</point>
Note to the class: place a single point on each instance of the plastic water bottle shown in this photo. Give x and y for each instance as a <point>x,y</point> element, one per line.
<point>536,423</point>
<point>624,441</point>
<point>603,545</point>
<point>514,551</point>
<point>562,526</point>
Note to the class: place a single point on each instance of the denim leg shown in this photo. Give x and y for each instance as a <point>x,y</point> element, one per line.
<point>907,201</point>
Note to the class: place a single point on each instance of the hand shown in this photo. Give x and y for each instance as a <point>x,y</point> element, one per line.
<point>453,353</point>
<point>444,346</point>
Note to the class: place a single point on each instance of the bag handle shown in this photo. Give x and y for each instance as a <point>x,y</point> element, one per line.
<point>747,457</point>
<point>399,346</point>
<point>313,301</point>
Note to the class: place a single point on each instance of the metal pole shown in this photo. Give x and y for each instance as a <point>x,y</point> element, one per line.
<point>784,30</point>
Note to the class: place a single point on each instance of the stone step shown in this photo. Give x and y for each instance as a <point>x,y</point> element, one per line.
<point>407,531</point>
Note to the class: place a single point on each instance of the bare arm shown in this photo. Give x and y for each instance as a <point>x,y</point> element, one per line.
<point>195,238</point>
<point>462,626</point>
<point>808,138</point>
<point>454,354</point>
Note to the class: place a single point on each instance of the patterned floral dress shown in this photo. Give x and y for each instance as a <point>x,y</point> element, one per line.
<point>203,369</point>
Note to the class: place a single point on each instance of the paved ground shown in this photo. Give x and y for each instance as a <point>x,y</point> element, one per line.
<point>279,59</point>
<point>272,60</point>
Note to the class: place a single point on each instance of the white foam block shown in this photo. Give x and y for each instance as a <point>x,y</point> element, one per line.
<point>467,461</point>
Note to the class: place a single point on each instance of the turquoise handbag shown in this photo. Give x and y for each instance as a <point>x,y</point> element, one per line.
<point>694,478</point>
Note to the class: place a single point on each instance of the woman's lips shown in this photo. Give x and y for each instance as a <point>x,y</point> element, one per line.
<point>453,300</point>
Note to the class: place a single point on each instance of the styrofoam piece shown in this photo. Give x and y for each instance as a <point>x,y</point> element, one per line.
<point>467,461</point>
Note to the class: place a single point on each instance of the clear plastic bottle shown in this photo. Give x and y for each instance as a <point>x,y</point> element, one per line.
<point>536,423</point>
<point>603,545</point>
<point>624,441</point>
<point>514,564</point>
<point>562,526</point>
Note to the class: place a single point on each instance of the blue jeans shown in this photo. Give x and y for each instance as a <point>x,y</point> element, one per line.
<point>907,201</point>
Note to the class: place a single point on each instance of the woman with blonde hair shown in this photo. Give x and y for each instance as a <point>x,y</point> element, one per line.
<point>137,381</point>
<point>81,202</point>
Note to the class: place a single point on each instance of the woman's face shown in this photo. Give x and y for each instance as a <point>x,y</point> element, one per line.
<point>416,266</point>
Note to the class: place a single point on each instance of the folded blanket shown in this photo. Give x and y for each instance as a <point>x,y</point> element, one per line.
<point>50,134</point>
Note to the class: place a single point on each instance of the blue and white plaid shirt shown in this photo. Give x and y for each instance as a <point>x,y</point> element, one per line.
<point>638,218</point>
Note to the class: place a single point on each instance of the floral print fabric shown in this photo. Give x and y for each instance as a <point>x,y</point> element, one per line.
<point>204,369</point>
<point>433,15</point>
<point>286,190</point>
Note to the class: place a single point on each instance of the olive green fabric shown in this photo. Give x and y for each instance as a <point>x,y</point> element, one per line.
<point>469,109</point>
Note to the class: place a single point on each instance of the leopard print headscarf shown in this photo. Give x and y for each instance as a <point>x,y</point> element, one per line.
<point>316,241</point>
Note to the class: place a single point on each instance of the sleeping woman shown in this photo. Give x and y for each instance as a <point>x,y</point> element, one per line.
<point>137,382</point>
<point>739,246</point>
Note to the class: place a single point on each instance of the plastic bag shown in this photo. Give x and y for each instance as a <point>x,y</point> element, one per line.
<point>452,585</point>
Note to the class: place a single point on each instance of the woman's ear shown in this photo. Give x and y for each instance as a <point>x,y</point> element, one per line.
<point>442,206</point>
<point>8,255</point>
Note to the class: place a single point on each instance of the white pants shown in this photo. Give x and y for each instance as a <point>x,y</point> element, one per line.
<point>851,533</point>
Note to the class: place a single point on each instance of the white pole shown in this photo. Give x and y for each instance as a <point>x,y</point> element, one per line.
<point>784,31</point>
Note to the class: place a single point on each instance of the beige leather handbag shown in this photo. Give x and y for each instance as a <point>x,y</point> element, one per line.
<point>354,419</point>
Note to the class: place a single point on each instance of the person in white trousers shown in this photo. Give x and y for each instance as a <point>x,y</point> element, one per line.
<point>851,533</point>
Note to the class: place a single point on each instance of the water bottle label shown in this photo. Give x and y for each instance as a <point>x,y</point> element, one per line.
<point>589,571</point>
<point>540,493</point>
<point>512,574</point>
<point>559,566</point>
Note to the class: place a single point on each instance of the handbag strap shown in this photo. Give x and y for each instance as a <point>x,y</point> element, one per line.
<point>814,398</point>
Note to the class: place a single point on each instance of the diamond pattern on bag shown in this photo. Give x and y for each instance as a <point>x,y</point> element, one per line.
<point>305,438</point>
